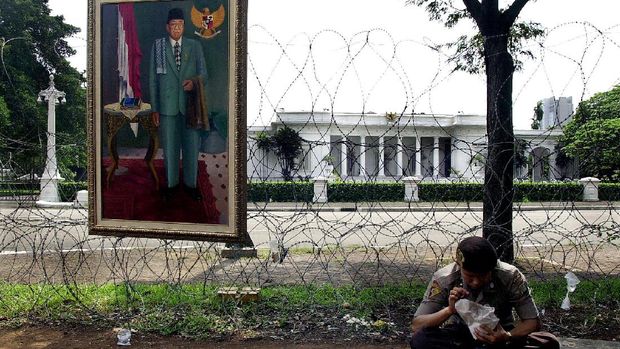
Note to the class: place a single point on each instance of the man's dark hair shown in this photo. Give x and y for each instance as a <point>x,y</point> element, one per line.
<point>476,254</point>
<point>175,13</point>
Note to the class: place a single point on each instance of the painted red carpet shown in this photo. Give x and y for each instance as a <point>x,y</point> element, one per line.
<point>132,195</point>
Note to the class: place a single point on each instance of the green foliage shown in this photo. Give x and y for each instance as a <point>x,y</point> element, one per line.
<point>593,136</point>
<point>280,191</point>
<point>468,55</point>
<point>550,293</point>
<point>520,158</point>
<point>68,189</point>
<point>450,192</point>
<point>609,191</point>
<point>438,192</point>
<point>34,45</point>
<point>428,192</point>
<point>541,191</point>
<point>194,310</point>
<point>287,145</point>
<point>263,141</point>
<point>597,146</point>
<point>4,114</point>
<point>468,50</point>
<point>296,191</point>
<point>538,116</point>
<point>361,192</point>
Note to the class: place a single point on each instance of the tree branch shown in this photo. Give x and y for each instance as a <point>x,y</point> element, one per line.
<point>474,8</point>
<point>510,15</point>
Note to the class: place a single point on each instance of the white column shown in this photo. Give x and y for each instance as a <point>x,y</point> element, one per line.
<point>399,156</point>
<point>50,176</point>
<point>411,188</point>
<point>320,189</point>
<point>418,157</point>
<point>363,173</point>
<point>554,171</point>
<point>590,188</point>
<point>436,157</point>
<point>381,163</point>
<point>343,158</point>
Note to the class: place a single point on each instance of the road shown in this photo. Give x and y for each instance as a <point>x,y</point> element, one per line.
<point>27,230</point>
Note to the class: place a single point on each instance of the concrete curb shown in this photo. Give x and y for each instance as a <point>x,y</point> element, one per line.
<point>588,344</point>
<point>425,207</point>
<point>385,206</point>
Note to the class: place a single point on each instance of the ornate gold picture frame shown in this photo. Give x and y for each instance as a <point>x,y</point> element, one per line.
<point>167,119</point>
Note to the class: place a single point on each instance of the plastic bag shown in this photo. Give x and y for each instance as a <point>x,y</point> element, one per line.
<point>571,285</point>
<point>124,337</point>
<point>476,315</point>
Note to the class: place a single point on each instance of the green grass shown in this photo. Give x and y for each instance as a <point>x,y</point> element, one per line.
<point>194,310</point>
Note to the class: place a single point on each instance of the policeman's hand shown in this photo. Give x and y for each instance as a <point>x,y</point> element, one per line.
<point>155,118</point>
<point>456,294</point>
<point>188,85</point>
<point>487,335</point>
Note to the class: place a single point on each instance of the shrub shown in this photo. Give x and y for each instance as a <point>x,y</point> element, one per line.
<point>609,191</point>
<point>68,190</point>
<point>358,192</point>
<point>541,191</point>
<point>450,191</point>
<point>294,191</point>
<point>19,188</point>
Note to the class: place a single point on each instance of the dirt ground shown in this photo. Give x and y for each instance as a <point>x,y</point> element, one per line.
<point>57,338</point>
<point>339,268</point>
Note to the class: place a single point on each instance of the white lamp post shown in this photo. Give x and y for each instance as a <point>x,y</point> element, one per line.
<point>50,176</point>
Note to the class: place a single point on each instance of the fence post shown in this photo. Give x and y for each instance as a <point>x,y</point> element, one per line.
<point>590,188</point>
<point>320,189</point>
<point>81,199</point>
<point>411,188</point>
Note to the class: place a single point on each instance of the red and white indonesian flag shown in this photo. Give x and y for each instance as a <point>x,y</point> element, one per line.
<point>129,56</point>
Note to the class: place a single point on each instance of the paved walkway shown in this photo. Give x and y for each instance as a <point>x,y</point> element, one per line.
<point>384,206</point>
<point>426,206</point>
<point>588,344</point>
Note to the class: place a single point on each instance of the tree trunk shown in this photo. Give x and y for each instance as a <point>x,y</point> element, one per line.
<point>498,181</point>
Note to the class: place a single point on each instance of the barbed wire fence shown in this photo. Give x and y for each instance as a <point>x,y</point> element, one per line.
<point>368,237</point>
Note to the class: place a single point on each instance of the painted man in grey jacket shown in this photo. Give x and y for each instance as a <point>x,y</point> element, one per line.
<point>176,60</point>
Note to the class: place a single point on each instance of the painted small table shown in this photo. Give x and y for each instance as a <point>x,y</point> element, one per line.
<point>116,117</point>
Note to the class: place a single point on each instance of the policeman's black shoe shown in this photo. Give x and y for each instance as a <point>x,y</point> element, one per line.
<point>193,193</point>
<point>166,193</point>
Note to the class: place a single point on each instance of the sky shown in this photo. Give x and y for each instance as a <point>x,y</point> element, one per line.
<point>375,56</point>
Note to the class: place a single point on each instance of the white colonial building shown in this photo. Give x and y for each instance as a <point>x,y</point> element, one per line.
<point>386,147</point>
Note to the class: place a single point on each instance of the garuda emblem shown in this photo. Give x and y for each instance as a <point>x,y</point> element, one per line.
<point>207,22</point>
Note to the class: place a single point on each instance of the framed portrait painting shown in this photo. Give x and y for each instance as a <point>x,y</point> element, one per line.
<point>166,110</point>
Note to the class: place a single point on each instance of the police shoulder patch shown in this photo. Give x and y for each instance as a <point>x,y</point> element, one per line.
<point>435,289</point>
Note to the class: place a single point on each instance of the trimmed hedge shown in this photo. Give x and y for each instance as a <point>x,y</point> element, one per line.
<point>68,190</point>
<point>280,191</point>
<point>360,192</point>
<point>540,191</point>
<point>609,191</point>
<point>296,191</point>
<point>19,188</point>
<point>449,192</point>
<point>394,192</point>
<point>453,192</point>
<point>23,185</point>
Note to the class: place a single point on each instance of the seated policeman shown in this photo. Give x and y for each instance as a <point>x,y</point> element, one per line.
<point>478,276</point>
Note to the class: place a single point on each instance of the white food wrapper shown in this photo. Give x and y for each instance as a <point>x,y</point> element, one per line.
<point>571,285</point>
<point>476,315</point>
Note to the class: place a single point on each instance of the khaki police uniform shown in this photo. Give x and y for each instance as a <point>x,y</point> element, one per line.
<point>507,290</point>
